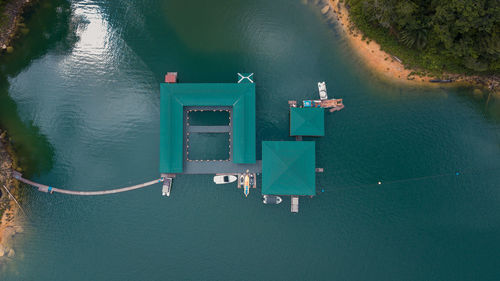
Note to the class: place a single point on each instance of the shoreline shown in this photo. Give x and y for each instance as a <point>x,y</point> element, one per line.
<point>13,11</point>
<point>386,65</point>
<point>10,221</point>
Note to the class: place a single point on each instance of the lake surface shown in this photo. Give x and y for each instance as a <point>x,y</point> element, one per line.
<point>80,94</point>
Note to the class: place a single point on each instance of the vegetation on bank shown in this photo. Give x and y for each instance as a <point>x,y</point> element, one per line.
<point>453,36</point>
<point>3,16</point>
<point>8,162</point>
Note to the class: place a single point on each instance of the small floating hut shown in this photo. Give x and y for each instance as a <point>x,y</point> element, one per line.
<point>307,121</point>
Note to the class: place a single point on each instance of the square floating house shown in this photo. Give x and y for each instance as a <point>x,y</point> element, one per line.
<point>307,121</point>
<point>288,168</point>
<point>175,97</point>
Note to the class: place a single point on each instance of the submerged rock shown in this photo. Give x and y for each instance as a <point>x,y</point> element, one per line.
<point>477,94</point>
<point>19,229</point>
<point>11,253</point>
<point>325,9</point>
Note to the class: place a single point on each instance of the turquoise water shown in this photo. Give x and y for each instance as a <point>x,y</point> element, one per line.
<point>208,146</point>
<point>87,78</point>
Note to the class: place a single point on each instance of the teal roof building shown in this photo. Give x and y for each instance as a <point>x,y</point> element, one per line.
<point>288,168</point>
<point>307,121</point>
<point>176,96</point>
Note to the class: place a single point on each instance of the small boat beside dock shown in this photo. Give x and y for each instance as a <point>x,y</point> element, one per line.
<point>272,199</point>
<point>223,179</point>
<point>246,187</point>
<point>324,102</point>
<point>322,90</point>
<point>246,181</point>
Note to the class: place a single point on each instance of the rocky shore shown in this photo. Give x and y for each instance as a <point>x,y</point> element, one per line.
<point>12,22</point>
<point>10,219</point>
<point>391,68</point>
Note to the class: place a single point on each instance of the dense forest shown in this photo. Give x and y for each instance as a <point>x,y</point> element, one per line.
<point>460,36</point>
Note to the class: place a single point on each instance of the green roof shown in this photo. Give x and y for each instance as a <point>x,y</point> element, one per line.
<point>177,95</point>
<point>307,121</point>
<point>288,168</point>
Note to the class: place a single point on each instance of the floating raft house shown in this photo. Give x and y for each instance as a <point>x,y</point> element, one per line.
<point>288,168</point>
<point>307,121</point>
<point>177,98</point>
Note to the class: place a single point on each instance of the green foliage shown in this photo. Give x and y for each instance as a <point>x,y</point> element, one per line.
<point>3,16</point>
<point>439,35</point>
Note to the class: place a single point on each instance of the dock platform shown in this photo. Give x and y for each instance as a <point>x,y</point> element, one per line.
<point>167,185</point>
<point>220,167</point>
<point>294,206</point>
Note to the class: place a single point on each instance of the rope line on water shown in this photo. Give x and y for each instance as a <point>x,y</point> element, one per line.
<point>380,183</point>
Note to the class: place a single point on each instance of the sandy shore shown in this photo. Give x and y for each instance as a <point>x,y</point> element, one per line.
<point>9,227</point>
<point>375,59</point>
<point>385,65</point>
<point>10,221</point>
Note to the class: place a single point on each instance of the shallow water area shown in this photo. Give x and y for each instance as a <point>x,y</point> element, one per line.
<point>92,90</point>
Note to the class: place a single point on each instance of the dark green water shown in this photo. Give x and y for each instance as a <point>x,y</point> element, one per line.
<point>87,77</point>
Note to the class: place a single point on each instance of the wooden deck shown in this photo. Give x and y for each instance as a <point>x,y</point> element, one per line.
<point>333,104</point>
<point>167,185</point>
<point>294,204</point>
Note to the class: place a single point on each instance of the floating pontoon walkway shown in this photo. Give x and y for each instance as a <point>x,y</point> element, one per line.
<point>46,188</point>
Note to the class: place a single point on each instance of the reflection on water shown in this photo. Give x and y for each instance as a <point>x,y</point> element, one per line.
<point>49,28</point>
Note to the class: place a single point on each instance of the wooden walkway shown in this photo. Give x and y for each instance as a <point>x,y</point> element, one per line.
<point>46,188</point>
<point>208,129</point>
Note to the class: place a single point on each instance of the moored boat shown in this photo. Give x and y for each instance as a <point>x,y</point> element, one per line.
<point>242,180</point>
<point>223,179</point>
<point>272,199</point>
<point>246,189</point>
<point>322,91</point>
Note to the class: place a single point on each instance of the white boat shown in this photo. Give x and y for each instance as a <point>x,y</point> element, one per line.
<point>322,91</point>
<point>271,199</point>
<point>225,179</point>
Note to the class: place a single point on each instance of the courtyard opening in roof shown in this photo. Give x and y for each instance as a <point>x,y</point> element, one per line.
<point>239,97</point>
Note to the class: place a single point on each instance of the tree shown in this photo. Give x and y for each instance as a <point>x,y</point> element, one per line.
<point>456,32</point>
